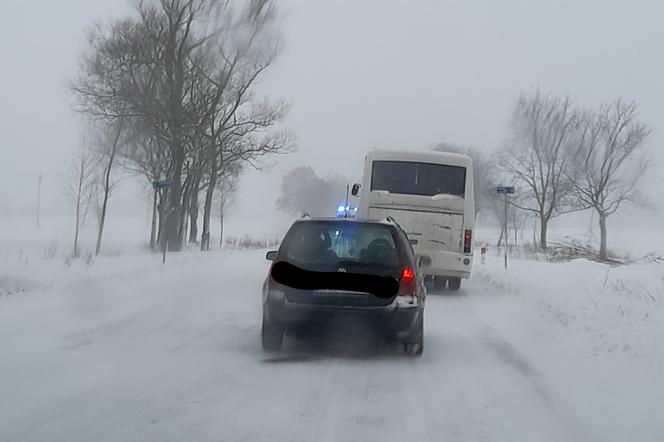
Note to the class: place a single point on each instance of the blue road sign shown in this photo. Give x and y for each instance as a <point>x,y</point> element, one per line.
<point>505,189</point>
<point>160,184</point>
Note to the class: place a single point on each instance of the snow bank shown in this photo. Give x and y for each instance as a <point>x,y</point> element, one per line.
<point>596,332</point>
<point>622,308</point>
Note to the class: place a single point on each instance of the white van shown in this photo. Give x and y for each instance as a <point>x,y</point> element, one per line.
<point>431,195</point>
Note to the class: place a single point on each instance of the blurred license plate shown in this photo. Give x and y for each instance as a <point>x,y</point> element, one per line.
<point>337,293</point>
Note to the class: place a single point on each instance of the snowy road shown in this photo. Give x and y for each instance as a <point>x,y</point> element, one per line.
<point>173,354</point>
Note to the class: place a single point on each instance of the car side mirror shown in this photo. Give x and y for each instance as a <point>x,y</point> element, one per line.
<point>355,191</point>
<point>424,261</point>
<point>271,255</point>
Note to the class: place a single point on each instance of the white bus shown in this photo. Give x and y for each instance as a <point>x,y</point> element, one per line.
<point>431,195</point>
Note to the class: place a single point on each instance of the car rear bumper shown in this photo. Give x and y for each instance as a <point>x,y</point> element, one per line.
<point>398,319</point>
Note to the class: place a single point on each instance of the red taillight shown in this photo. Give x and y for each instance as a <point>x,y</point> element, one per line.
<point>467,240</point>
<point>407,285</point>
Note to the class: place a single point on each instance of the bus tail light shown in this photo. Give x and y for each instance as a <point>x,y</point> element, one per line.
<point>467,240</point>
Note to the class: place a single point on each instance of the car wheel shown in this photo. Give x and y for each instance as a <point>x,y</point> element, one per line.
<point>455,284</point>
<point>439,283</point>
<point>271,337</point>
<point>415,346</point>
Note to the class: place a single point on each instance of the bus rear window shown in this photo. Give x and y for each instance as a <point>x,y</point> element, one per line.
<point>411,178</point>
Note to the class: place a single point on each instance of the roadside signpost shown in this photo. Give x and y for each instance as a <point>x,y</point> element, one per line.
<point>158,185</point>
<point>162,186</point>
<point>505,190</point>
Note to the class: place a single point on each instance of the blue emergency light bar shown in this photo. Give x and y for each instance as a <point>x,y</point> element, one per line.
<point>346,211</point>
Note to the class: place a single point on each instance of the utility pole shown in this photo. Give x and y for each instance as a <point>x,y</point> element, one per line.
<point>39,184</point>
<point>505,190</point>
<point>164,233</point>
<point>506,235</point>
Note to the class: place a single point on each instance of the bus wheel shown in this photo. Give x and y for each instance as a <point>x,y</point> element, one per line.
<point>455,284</point>
<point>428,282</point>
<point>439,283</point>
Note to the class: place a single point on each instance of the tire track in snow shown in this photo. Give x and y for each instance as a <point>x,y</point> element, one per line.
<point>508,355</point>
<point>504,350</point>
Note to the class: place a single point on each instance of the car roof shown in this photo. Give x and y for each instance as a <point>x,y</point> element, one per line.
<point>387,221</point>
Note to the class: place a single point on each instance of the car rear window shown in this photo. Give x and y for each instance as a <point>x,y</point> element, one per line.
<point>355,246</point>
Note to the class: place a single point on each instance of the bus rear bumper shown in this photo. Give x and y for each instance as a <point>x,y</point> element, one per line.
<point>449,264</point>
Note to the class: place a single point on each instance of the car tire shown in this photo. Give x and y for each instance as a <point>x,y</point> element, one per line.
<point>272,337</point>
<point>455,284</point>
<point>414,347</point>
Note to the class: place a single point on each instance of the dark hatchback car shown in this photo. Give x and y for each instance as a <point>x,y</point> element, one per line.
<point>335,274</point>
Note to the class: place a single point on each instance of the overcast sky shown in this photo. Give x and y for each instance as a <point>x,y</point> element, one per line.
<point>393,74</point>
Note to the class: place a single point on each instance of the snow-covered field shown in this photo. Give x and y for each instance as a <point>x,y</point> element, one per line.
<point>125,349</point>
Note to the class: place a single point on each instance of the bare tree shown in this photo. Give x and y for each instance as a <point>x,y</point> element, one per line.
<point>610,161</point>
<point>303,191</point>
<point>236,124</point>
<point>139,66</point>
<point>79,181</point>
<point>227,186</point>
<point>226,201</point>
<point>184,72</point>
<point>107,152</point>
<point>519,219</point>
<point>538,156</point>
<point>481,173</point>
<point>144,155</point>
